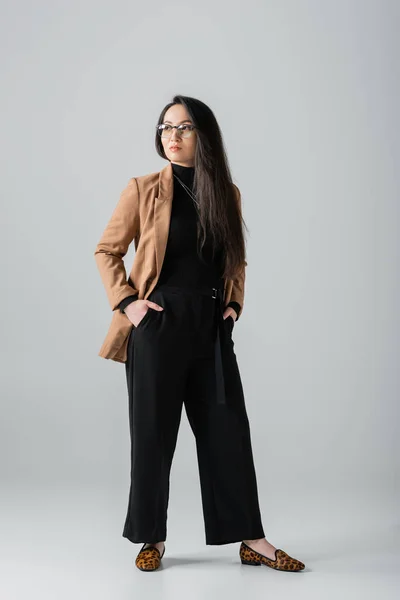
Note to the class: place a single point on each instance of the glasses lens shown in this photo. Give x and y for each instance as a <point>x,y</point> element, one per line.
<point>164,130</point>
<point>185,130</point>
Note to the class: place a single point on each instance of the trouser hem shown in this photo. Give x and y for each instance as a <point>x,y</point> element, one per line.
<point>236,538</point>
<point>141,540</point>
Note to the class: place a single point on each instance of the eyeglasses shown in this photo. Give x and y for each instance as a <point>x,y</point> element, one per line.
<point>165,130</point>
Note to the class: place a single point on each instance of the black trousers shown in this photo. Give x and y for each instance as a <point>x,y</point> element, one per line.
<point>184,355</point>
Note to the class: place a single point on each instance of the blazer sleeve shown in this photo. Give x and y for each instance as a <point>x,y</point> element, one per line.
<point>122,228</point>
<point>238,288</point>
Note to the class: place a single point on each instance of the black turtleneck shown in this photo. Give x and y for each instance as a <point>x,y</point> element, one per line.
<point>182,264</point>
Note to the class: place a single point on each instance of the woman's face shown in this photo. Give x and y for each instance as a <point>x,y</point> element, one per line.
<point>184,154</point>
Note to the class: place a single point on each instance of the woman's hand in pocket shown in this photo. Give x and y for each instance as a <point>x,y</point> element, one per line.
<point>230,313</point>
<point>136,310</point>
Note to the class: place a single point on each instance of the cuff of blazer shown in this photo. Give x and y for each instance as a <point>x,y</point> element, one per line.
<point>126,292</point>
<point>128,300</point>
<point>235,306</point>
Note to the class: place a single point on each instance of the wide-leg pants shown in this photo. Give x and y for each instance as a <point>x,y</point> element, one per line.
<point>184,355</point>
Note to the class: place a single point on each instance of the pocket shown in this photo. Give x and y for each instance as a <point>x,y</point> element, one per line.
<point>145,317</point>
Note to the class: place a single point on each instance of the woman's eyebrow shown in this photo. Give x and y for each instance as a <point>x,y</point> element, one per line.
<point>180,122</point>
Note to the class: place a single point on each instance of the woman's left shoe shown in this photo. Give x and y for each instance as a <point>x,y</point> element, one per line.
<point>282,562</point>
<point>149,559</point>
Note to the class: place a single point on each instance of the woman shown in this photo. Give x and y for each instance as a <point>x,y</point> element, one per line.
<point>172,327</point>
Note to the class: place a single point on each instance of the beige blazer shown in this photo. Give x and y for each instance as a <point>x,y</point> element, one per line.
<point>143,215</point>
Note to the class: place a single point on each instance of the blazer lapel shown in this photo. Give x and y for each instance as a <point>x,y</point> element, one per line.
<point>162,214</point>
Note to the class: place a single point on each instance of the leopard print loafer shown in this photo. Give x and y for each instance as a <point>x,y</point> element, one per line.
<point>282,562</point>
<point>149,559</point>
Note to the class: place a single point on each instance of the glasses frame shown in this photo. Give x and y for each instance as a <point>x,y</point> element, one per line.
<point>178,129</point>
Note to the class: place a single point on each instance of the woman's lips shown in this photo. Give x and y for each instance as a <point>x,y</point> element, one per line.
<point>174,148</point>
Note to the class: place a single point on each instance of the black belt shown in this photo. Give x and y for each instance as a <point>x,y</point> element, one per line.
<point>218,295</point>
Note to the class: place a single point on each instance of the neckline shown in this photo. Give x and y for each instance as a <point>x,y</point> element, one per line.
<point>184,173</point>
<point>181,167</point>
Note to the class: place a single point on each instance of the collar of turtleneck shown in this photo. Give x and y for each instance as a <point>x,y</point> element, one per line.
<point>186,174</point>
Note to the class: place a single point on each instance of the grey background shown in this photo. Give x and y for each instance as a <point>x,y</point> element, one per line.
<point>307,96</point>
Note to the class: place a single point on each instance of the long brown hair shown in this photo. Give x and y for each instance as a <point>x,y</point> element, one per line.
<point>219,213</point>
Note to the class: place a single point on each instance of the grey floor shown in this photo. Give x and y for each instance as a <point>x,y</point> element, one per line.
<point>59,543</point>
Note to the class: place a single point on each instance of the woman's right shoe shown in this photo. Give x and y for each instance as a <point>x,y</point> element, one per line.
<point>282,562</point>
<point>149,559</point>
